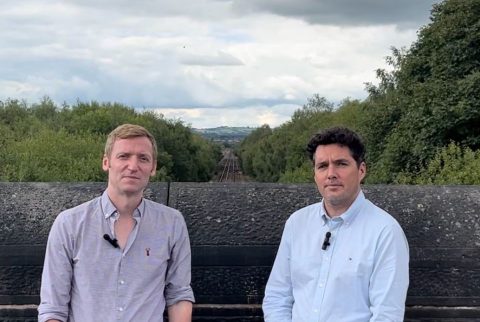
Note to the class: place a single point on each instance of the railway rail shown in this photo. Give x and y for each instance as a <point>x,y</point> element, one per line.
<point>229,169</point>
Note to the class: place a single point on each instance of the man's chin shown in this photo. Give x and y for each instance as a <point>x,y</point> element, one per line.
<point>131,189</point>
<point>335,200</point>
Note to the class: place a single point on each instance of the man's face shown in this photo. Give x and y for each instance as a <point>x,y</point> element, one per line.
<point>337,176</point>
<point>129,165</point>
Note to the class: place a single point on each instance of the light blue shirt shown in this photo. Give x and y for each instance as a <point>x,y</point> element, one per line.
<point>361,276</point>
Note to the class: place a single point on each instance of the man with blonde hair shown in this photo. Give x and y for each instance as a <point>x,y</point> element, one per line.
<point>119,257</point>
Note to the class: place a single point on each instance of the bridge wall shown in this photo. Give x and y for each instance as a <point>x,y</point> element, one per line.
<point>235,230</point>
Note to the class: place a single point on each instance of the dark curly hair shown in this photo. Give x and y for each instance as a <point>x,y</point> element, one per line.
<point>338,135</point>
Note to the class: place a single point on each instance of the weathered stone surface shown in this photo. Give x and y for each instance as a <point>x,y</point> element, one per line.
<point>238,214</point>
<point>28,209</point>
<point>235,229</point>
<point>433,216</point>
<point>20,280</point>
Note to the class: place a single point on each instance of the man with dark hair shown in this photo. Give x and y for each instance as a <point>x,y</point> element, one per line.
<point>342,259</point>
<point>119,257</point>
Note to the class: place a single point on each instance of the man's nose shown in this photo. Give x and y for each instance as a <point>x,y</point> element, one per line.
<point>331,171</point>
<point>133,164</point>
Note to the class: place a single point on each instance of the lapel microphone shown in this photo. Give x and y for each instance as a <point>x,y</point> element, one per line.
<point>326,241</point>
<point>113,241</point>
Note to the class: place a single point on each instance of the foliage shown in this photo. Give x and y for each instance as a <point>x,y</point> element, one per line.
<point>452,164</point>
<point>302,174</point>
<point>57,156</point>
<point>435,94</point>
<point>43,142</point>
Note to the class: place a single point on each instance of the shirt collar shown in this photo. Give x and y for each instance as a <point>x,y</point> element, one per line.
<point>109,208</point>
<point>349,215</point>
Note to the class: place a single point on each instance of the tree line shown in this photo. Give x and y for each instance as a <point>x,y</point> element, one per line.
<point>44,142</point>
<point>421,123</point>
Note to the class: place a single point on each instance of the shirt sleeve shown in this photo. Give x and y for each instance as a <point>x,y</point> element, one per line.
<point>178,277</point>
<point>57,274</point>
<point>389,280</point>
<point>278,301</point>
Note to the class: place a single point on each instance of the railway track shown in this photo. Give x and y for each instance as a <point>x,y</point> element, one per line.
<point>228,167</point>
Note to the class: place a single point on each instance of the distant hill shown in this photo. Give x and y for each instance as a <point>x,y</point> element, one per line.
<point>225,134</point>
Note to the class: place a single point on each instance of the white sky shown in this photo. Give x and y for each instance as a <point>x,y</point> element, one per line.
<point>207,62</point>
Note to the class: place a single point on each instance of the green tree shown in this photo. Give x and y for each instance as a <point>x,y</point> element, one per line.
<point>436,85</point>
<point>249,148</point>
<point>42,142</point>
<point>53,156</point>
<point>452,164</point>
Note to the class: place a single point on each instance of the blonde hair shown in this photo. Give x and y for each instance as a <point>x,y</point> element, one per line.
<point>126,131</point>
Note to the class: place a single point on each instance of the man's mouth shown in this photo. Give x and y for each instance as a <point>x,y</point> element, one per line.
<point>333,185</point>
<point>131,177</point>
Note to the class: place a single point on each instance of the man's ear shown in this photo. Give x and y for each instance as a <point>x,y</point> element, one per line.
<point>362,169</point>
<point>154,169</point>
<point>105,163</point>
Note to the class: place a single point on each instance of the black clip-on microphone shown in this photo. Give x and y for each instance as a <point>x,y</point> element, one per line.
<point>326,241</point>
<point>113,242</point>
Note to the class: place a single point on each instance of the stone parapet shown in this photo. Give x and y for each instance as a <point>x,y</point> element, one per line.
<point>235,230</point>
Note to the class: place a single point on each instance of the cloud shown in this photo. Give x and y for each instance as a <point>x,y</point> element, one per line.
<point>230,116</point>
<point>218,59</point>
<point>199,9</point>
<point>405,13</point>
<point>206,55</point>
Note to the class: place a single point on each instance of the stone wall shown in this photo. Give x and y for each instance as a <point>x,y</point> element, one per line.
<point>235,230</point>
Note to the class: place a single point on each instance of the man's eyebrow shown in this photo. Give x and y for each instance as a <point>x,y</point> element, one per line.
<point>334,161</point>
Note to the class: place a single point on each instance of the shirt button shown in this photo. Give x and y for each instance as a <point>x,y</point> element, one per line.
<point>120,309</point>
<point>122,282</point>
<point>320,285</point>
<point>315,311</point>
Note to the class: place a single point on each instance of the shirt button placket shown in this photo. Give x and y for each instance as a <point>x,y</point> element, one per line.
<point>120,299</point>
<point>120,310</point>
<point>121,291</point>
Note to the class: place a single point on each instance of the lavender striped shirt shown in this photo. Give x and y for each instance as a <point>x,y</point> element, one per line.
<point>86,279</point>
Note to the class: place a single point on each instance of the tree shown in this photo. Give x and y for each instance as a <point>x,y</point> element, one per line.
<point>42,142</point>
<point>435,93</point>
<point>452,164</point>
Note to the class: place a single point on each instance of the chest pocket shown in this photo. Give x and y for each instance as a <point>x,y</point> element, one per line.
<point>150,258</point>
<point>353,274</point>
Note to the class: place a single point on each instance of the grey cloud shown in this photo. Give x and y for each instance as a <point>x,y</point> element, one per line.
<point>404,13</point>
